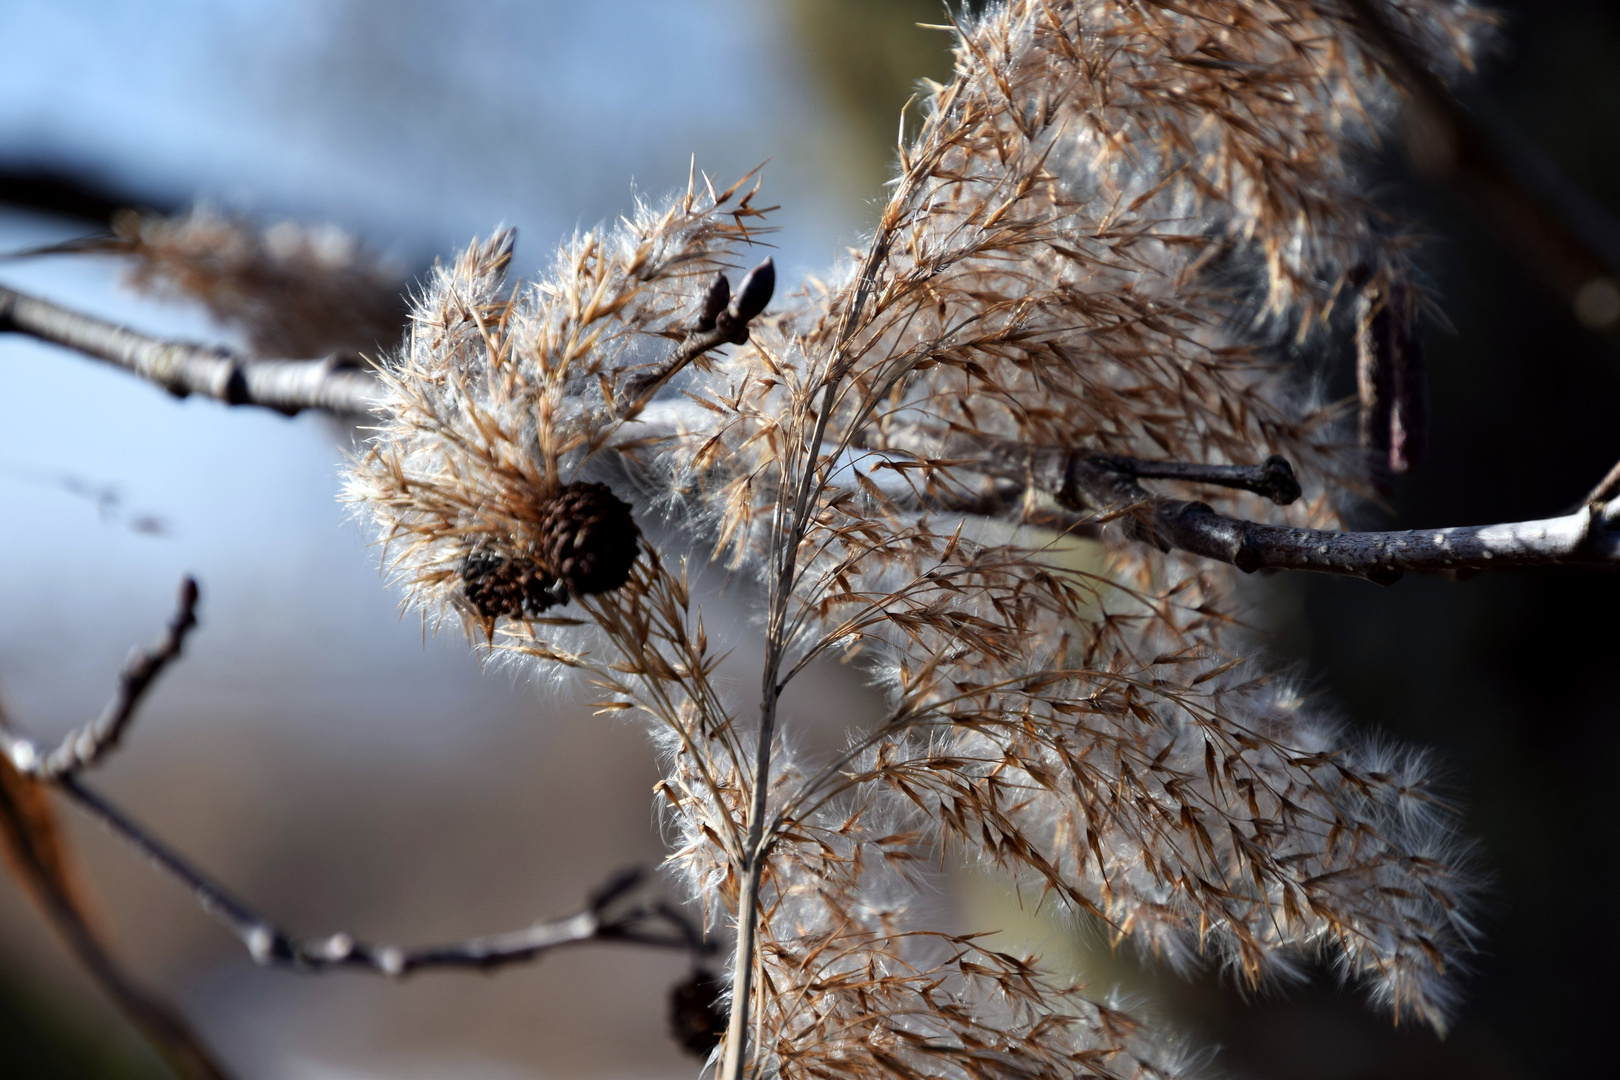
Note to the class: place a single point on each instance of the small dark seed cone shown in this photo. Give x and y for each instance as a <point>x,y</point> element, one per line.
<point>588,538</point>
<point>695,1018</point>
<point>513,588</point>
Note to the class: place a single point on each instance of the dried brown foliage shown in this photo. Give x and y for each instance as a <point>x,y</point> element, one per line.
<point>1104,229</point>
<point>295,290</point>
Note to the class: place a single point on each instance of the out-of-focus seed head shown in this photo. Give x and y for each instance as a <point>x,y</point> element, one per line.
<point>696,1020</point>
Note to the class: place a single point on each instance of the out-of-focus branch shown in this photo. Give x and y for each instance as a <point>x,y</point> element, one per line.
<point>655,925</point>
<point>84,746</point>
<point>34,854</point>
<point>337,384</point>
<point>81,196</point>
<point>1560,236</point>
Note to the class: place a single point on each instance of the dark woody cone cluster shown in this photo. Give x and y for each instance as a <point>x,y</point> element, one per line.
<point>588,542</point>
<point>513,588</point>
<point>588,538</point>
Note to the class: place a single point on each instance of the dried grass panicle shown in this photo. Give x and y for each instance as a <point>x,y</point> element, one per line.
<point>855,987</point>
<point>1103,230</point>
<point>500,394</point>
<point>296,291</point>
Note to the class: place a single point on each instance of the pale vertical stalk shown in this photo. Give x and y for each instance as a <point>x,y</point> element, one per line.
<point>785,540</point>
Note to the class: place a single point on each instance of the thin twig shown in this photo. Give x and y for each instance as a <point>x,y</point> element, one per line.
<point>654,925</point>
<point>1273,478</point>
<point>1606,489</point>
<point>336,384</point>
<point>84,746</point>
<point>641,388</point>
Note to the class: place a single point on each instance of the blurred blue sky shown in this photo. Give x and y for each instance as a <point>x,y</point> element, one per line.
<point>312,748</point>
<point>417,124</point>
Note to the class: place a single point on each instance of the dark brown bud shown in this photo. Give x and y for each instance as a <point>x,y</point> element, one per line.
<point>1278,482</point>
<point>714,302</point>
<point>754,292</point>
<point>588,538</point>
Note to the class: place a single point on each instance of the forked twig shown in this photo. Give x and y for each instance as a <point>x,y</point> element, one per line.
<point>84,746</point>
<point>656,925</point>
<point>652,924</point>
<point>1089,485</point>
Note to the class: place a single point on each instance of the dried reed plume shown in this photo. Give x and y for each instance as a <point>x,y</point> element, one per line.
<point>1105,229</point>
<point>295,290</point>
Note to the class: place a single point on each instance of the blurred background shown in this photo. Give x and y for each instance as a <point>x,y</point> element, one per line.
<point>330,762</point>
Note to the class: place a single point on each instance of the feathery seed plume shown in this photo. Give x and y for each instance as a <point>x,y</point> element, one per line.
<point>1108,224</point>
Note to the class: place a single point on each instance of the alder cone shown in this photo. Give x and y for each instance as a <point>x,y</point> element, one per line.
<point>497,586</point>
<point>588,538</point>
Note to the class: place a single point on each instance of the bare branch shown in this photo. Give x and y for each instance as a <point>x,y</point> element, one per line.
<point>290,385</point>
<point>656,925</point>
<point>336,384</point>
<point>1086,484</point>
<point>84,746</point>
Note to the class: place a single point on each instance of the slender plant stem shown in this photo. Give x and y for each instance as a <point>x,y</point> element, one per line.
<point>84,746</point>
<point>786,536</point>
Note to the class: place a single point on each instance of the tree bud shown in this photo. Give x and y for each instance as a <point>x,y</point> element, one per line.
<point>754,292</point>
<point>714,302</point>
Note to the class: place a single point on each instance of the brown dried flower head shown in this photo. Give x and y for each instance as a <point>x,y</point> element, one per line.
<point>1107,228</point>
